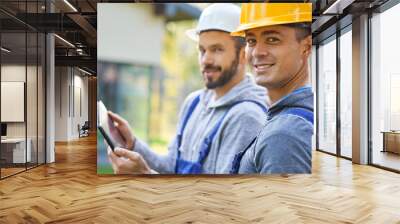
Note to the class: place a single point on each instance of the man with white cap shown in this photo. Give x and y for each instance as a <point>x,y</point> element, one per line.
<point>215,123</point>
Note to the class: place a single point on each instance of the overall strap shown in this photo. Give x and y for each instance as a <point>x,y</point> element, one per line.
<point>307,114</point>
<point>238,157</point>
<point>192,106</point>
<point>182,127</point>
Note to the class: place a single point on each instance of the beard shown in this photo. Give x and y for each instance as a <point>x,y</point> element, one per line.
<point>226,74</point>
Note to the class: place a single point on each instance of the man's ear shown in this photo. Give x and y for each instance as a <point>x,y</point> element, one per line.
<point>306,46</point>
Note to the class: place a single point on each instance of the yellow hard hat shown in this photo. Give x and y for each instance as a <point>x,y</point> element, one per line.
<point>254,15</point>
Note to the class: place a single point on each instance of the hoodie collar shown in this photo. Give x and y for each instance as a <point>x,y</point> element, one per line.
<point>297,98</point>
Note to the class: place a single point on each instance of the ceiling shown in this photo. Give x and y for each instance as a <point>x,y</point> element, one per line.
<point>75,21</point>
<point>77,25</point>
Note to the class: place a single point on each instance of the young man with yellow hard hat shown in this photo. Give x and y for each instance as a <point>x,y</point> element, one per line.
<point>278,45</point>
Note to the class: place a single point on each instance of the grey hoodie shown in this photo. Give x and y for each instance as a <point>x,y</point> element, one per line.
<point>284,144</point>
<point>242,123</point>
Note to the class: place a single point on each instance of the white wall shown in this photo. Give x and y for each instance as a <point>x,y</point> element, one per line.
<point>61,103</point>
<point>13,100</point>
<point>81,100</point>
<point>67,114</point>
<point>118,38</point>
<point>14,73</point>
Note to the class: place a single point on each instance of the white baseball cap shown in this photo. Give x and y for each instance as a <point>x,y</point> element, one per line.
<point>217,16</point>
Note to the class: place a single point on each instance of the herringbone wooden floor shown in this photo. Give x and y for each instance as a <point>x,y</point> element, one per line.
<point>69,191</point>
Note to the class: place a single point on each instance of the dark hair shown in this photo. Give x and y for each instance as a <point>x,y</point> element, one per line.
<point>303,30</point>
<point>240,42</point>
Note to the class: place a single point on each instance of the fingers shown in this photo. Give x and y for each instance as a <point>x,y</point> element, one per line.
<point>137,162</point>
<point>124,129</point>
<point>116,118</point>
<point>124,161</point>
<point>113,160</point>
<point>111,154</point>
<point>134,156</point>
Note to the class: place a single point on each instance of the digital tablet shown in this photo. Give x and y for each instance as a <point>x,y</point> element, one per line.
<point>107,128</point>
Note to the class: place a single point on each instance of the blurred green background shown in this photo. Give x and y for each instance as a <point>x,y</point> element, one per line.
<point>149,95</point>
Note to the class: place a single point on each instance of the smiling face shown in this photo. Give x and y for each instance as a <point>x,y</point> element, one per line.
<point>276,55</point>
<point>218,58</point>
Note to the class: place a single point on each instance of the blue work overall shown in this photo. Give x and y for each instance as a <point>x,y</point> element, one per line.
<point>308,115</point>
<point>188,167</point>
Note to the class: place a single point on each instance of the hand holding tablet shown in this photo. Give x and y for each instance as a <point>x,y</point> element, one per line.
<point>107,128</point>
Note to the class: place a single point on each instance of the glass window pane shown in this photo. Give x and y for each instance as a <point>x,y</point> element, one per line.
<point>31,97</point>
<point>346,94</point>
<point>41,98</point>
<point>31,88</point>
<point>22,63</point>
<point>327,96</point>
<point>14,150</point>
<point>385,89</point>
